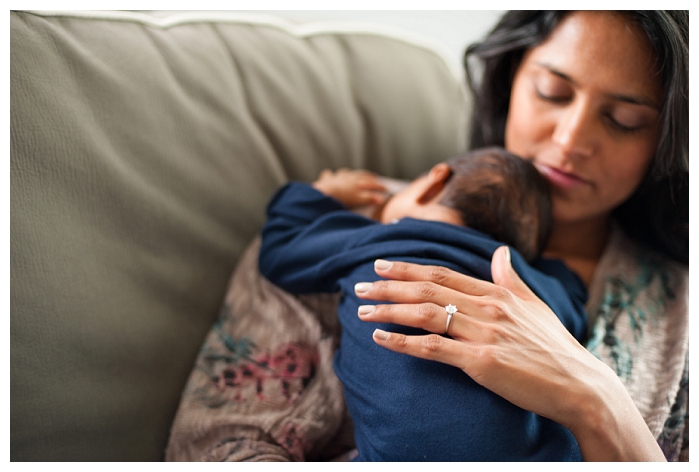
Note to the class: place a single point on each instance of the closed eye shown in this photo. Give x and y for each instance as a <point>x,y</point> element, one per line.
<point>621,127</point>
<point>552,97</point>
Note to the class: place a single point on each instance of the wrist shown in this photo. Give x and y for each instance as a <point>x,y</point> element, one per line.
<point>607,424</point>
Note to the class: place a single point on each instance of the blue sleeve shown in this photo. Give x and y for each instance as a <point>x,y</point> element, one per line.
<point>304,237</point>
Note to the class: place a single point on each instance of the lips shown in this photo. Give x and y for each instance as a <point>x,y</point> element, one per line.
<point>559,178</point>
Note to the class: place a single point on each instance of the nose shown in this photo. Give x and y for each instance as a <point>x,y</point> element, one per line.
<point>575,132</point>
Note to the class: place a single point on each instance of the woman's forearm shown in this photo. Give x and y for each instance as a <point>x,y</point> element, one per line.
<point>606,422</point>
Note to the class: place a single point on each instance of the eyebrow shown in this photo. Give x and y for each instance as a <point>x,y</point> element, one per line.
<point>632,99</point>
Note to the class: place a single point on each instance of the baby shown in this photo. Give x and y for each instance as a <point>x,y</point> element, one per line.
<point>456,215</point>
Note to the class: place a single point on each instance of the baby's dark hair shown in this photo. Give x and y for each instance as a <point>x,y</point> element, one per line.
<point>502,195</point>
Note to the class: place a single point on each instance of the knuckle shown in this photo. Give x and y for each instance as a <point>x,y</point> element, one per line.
<point>425,290</point>
<point>400,341</point>
<point>486,361</point>
<point>426,312</point>
<point>501,312</point>
<point>438,274</point>
<point>503,295</point>
<point>497,310</point>
<point>431,344</point>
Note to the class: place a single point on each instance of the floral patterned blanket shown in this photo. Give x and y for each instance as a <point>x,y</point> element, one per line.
<point>263,387</point>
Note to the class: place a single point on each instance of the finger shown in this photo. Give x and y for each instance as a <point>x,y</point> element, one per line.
<point>505,276</point>
<point>371,182</point>
<point>442,276</point>
<point>431,347</point>
<point>427,316</point>
<point>398,291</point>
<point>371,197</point>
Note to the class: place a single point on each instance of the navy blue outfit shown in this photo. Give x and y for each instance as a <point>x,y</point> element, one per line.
<point>405,408</point>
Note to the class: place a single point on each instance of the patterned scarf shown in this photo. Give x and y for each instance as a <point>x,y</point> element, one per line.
<point>639,326</point>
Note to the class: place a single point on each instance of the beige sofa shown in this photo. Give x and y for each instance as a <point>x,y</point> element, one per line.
<point>143,153</point>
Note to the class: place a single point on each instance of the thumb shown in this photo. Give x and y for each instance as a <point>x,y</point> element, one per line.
<point>505,275</point>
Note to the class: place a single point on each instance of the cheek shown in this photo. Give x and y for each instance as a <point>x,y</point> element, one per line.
<point>625,174</point>
<point>524,128</point>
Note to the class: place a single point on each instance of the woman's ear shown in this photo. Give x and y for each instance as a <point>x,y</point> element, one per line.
<point>434,182</point>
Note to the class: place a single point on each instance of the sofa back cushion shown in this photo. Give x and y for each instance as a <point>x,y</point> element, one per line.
<point>143,153</point>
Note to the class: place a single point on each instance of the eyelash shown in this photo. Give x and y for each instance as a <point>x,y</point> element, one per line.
<point>618,126</point>
<point>550,98</point>
<point>622,128</point>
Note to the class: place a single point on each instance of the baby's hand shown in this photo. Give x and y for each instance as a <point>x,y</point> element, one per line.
<point>353,188</point>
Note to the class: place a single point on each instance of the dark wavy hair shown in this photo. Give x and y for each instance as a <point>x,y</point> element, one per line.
<point>503,195</point>
<point>657,213</point>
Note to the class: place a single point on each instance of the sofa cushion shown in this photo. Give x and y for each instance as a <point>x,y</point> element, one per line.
<point>143,153</point>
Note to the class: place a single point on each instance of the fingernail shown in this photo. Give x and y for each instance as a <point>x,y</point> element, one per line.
<point>507,255</point>
<point>381,264</point>
<point>364,310</point>
<point>362,287</point>
<point>381,334</point>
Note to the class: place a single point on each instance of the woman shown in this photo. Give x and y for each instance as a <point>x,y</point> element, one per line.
<point>599,102</point>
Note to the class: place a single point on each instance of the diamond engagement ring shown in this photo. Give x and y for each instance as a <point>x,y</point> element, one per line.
<point>451,309</point>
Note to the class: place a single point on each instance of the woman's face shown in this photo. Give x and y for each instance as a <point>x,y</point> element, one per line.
<point>585,109</point>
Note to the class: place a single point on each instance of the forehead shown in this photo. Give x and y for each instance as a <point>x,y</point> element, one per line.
<point>603,50</point>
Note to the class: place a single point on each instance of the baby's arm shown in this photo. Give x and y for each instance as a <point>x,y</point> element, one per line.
<point>304,238</point>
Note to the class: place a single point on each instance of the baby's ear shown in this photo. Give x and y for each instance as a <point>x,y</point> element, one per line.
<point>440,172</point>
<point>434,182</point>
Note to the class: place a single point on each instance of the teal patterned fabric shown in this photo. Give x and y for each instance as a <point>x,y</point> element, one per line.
<point>622,297</point>
<point>674,440</point>
<point>638,312</point>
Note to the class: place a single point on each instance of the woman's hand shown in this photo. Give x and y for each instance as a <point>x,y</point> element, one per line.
<point>509,341</point>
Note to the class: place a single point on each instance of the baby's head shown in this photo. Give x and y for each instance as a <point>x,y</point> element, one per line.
<point>502,195</point>
<point>489,190</point>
